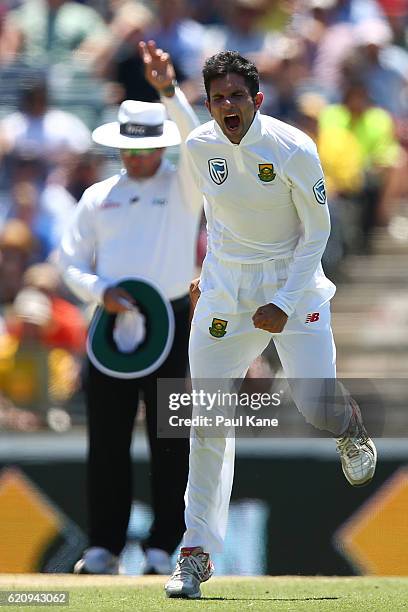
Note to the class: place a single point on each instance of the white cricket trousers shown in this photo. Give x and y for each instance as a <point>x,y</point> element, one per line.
<point>306,350</point>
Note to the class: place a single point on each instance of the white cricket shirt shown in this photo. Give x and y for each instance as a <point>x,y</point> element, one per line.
<point>265,200</point>
<point>127,228</point>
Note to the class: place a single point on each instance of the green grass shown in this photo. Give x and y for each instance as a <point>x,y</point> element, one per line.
<point>286,593</point>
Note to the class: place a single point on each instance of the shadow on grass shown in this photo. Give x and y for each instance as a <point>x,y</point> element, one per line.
<point>267,598</point>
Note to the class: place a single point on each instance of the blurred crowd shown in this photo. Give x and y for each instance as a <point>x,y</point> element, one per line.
<point>338,69</point>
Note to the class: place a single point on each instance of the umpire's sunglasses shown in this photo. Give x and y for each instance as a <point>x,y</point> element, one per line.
<point>139,152</point>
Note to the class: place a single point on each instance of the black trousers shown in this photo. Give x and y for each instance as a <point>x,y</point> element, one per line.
<point>111,409</point>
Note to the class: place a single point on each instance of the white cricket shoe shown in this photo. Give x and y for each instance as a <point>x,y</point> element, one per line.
<point>357,451</point>
<point>193,567</point>
<point>157,561</point>
<point>97,560</point>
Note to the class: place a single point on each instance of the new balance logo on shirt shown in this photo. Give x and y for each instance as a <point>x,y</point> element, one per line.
<point>312,317</point>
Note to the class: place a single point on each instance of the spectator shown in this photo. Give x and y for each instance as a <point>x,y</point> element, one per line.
<point>353,11</point>
<point>291,74</point>
<point>328,45</point>
<point>20,168</point>
<point>183,38</point>
<point>17,248</point>
<point>7,39</point>
<point>342,161</point>
<point>38,131</point>
<point>52,31</point>
<point>280,57</point>
<point>84,172</point>
<point>41,368</point>
<point>385,77</point>
<point>397,12</point>
<point>25,205</point>
<point>56,199</point>
<point>68,330</point>
<point>383,158</point>
<point>241,32</point>
<point>207,12</point>
<point>120,61</point>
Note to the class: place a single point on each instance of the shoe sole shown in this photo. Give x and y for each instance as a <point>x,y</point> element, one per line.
<point>79,568</point>
<point>183,595</point>
<point>368,480</point>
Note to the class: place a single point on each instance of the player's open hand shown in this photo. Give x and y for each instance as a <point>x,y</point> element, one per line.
<point>116,299</point>
<point>270,318</point>
<point>159,70</point>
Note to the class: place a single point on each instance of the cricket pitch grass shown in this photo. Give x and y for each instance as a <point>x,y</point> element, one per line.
<point>282,593</point>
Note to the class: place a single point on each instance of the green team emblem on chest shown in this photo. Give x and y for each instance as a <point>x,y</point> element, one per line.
<point>218,328</point>
<point>266,173</point>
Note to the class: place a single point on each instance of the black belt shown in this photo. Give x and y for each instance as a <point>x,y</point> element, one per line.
<point>180,303</point>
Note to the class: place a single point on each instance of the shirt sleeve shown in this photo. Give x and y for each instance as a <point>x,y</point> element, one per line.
<point>76,256</point>
<point>192,164</point>
<point>305,176</point>
<point>181,112</point>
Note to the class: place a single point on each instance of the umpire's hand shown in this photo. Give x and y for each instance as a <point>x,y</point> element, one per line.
<point>116,299</point>
<point>270,318</point>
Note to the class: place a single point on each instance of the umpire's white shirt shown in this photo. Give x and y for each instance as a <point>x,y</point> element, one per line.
<point>128,228</point>
<point>252,220</point>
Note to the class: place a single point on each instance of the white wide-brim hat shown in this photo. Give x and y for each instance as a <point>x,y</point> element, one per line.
<point>140,125</point>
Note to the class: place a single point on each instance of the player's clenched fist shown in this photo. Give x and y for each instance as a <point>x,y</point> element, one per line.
<point>270,318</point>
<point>194,292</point>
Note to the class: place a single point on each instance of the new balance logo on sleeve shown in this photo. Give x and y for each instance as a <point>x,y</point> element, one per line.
<point>312,317</point>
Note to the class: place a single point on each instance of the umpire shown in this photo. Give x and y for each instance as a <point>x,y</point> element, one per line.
<point>142,222</point>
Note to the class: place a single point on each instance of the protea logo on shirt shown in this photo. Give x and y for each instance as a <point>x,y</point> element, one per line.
<point>320,191</point>
<point>266,173</point>
<point>218,328</point>
<point>218,170</point>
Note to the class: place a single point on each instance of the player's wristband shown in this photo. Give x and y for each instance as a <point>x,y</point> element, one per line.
<point>168,92</point>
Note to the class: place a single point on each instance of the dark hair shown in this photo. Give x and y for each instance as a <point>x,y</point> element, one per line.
<point>227,62</point>
<point>32,90</point>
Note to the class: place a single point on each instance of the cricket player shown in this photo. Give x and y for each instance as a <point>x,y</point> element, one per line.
<point>268,224</point>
